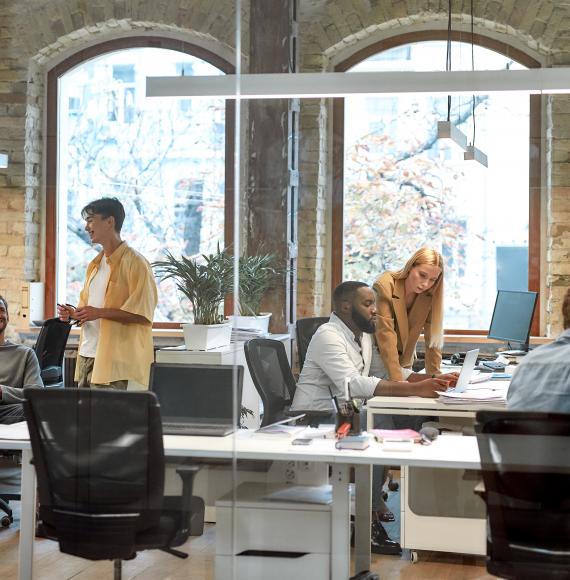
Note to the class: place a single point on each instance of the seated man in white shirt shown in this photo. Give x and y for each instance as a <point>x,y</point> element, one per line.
<point>342,349</point>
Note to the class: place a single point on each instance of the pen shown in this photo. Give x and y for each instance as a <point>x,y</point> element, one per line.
<point>335,403</point>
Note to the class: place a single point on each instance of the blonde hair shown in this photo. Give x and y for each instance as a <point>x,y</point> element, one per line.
<point>431,258</point>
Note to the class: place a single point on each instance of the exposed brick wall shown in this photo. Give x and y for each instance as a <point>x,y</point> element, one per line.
<point>34,34</point>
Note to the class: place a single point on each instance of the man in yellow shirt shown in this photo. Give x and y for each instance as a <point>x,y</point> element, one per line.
<point>116,305</point>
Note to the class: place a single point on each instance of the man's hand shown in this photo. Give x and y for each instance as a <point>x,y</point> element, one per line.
<point>428,387</point>
<point>87,314</point>
<point>451,377</point>
<point>66,312</point>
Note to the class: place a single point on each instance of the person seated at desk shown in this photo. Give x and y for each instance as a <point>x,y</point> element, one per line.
<point>19,369</point>
<point>342,349</point>
<point>541,382</point>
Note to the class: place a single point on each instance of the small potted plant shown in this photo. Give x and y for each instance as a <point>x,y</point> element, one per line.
<point>257,274</point>
<point>205,280</point>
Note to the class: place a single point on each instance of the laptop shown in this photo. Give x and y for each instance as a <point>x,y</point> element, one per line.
<point>466,370</point>
<point>197,399</point>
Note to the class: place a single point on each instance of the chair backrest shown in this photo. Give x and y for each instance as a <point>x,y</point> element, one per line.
<point>99,460</point>
<point>305,328</point>
<point>50,349</point>
<point>526,470</point>
<point>271,374</point>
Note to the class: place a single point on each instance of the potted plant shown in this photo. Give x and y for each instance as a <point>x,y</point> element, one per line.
<point>205,280</point>
<point>257,274</point>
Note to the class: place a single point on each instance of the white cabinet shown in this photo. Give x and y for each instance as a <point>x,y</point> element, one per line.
<point>258,537</point>
<point>233,354</point>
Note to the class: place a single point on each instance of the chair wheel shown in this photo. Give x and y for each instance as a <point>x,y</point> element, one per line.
<point>6,521</point>
<point>414,556</point>
<point>393,486</point>
<point>385,496</point>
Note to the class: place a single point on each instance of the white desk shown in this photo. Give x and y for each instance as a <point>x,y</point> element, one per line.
<point>421,527</point>
<point>446,452</point>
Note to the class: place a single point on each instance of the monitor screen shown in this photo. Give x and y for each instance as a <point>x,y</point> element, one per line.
<point>195,391</point>
<point>512,316</point>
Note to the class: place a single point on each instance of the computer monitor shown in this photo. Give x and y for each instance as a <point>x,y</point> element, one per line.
<point>512,317</point>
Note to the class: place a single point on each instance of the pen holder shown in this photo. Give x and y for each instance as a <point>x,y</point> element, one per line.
<point>347,414</point>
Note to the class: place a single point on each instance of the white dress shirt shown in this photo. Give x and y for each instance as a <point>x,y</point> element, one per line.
<point>334,355</point>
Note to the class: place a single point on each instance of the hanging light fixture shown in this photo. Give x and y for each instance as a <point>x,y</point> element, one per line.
<point>471,152</point>
<point>446,129</point>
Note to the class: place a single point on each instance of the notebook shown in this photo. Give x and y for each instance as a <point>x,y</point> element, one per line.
<point>197,399</point>
<point>466,371</point>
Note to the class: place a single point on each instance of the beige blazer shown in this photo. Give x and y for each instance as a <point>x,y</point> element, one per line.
<point>397,330</point>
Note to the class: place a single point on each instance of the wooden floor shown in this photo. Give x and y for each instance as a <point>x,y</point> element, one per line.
<point>50,564</point>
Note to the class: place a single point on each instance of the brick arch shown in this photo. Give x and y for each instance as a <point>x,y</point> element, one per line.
<point>86,53</point>
<point>335,30</point>
<point>534,161</point>
<point>68,31</point>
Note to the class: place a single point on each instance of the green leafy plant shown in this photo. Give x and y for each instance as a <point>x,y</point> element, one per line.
<point>205,280</point>
<point>256,275</point>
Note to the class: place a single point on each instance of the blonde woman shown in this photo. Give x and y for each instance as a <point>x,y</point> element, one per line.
<point>408,302</point>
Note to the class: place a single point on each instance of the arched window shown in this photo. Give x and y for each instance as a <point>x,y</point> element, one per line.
<point>169,162</point>
<point>398,187</point>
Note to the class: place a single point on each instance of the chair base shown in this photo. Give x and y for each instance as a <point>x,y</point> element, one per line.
<point>7,519</point>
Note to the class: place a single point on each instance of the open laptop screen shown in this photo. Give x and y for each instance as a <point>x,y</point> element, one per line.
<point>195,392</point>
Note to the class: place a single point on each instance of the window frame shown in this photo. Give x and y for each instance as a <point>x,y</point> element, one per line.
<point>51,144</point>
<point>535,156</point>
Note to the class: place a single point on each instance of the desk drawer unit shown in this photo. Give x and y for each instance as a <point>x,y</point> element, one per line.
<point>261,538</point>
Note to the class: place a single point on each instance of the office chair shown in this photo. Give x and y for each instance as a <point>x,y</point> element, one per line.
<point>305,328</point>
<point>271,374</point>
<point>526,471</point>
<point>101,474</point>
<point>50,350</point>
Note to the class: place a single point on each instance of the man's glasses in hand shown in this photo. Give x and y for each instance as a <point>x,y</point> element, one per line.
<point>72,321</point>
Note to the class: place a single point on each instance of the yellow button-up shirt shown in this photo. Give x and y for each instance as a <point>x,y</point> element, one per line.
<point>124,351</point>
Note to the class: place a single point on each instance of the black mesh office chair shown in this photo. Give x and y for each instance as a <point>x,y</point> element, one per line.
<point>271,374</point>
<point>50,350</point>
<point>526,471</point>
<point>305,328</point>
<point>99,460</point>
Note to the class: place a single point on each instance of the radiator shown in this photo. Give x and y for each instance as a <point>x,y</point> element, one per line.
<point>69,363</point>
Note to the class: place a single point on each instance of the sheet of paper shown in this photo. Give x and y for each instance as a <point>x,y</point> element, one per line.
<point>16,431</point>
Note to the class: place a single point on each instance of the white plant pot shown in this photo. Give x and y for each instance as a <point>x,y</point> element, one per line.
<point>260,322</point>
<point>206,336</point>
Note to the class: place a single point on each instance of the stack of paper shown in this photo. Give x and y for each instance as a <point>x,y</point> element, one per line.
<point>480,396</point>
<point>243,334</point>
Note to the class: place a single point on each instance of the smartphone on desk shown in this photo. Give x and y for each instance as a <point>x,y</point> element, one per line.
<point>301,441</point>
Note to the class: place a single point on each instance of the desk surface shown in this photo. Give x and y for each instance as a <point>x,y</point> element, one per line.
<point>447,451</point>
